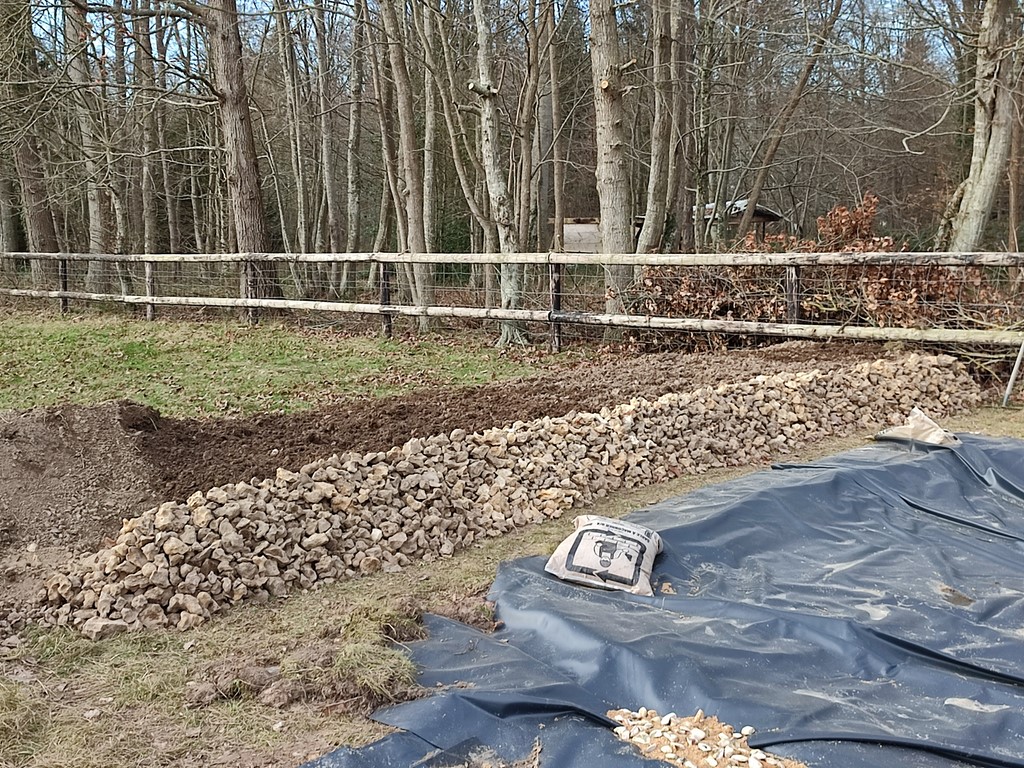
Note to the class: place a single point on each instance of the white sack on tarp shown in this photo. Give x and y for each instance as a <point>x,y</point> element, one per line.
<point>920,429</point>
<point>607,553</point>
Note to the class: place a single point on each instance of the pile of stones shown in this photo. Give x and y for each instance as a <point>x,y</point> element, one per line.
<point>700,741</point>
<point>177,565</point>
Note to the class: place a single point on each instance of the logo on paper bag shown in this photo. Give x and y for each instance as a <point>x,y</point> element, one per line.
<point>609,557</point>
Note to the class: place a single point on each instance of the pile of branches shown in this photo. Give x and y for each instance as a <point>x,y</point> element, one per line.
<point>879,296</point>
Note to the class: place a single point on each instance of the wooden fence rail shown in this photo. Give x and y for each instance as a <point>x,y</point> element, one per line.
<point>554,315</point>
<point>745,259</point>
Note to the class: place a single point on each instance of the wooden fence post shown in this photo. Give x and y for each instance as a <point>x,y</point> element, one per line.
<point>150,290</point>
<point>249,290</point>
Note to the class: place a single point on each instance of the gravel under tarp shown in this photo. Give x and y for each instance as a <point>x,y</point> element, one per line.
<point>859,611</point>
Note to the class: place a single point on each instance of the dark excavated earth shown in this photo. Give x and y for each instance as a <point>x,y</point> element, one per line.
<point>68,475</point>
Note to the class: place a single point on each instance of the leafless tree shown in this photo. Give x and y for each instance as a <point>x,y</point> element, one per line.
<point>998,68</point>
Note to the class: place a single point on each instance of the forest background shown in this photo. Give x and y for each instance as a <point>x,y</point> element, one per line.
<point>150,126</point>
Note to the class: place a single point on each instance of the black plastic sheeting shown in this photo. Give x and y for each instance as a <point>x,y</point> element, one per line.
<point>861,611</point>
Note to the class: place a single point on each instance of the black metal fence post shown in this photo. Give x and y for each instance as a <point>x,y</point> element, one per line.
<point>793,291</point>
<point>62,280</point>
<point>386,321</point>
<point>555,287</point>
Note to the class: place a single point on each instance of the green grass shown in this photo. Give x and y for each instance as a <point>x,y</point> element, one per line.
<point>65,649</point>
<point>222,368</point>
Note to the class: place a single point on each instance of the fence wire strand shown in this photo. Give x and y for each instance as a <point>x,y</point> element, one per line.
<point>982,294</point>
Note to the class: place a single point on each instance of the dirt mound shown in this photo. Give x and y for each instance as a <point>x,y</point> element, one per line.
<point>68,475</point>
<point>191,454</point>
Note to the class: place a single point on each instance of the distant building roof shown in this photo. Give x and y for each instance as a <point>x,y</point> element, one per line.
<point>735,209</point>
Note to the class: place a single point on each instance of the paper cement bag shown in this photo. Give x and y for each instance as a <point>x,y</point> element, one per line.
<point>919,428</point>
<point>607,553</point>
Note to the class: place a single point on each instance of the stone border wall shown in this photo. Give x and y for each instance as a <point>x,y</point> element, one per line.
<point>179,564</point>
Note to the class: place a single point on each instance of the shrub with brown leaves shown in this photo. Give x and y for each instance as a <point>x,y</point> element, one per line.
<point>880,296</point>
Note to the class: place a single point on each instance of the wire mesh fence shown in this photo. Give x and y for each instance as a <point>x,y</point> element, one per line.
<point>653,299</point>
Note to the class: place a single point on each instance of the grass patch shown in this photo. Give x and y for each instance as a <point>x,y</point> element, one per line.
<point>63,650</point>
<point>222,368</point>
<point>378,673</point>
<point>127,671</point>
<point>23,722</point>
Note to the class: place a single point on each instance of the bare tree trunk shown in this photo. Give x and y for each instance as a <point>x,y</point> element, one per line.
<point>526,123</point>
<point>389,153</point>
<point>662,134</point>
<point>124,178</point>
<point>612,160</point>
<point>248,215</point>
<point>10,234</point>
<point>171,201</point>
<point>286,53</point>
<point>275,182</point>
<point>703,117</point>
<point>19,95</point>
<point>355,131</point>
<point>426,18</point>
<point>146,77</point>
<point>77,35</point>
<point>35,205</point>
<point>557,149</point>
<point>243,174</point>
<point>781,123</point>
<point>410,159</point>
<point>1013,177</point>
<point>997,75</point>
<point>380,240</point>
<point>720,224</point>
<point>336,240</point>
<point>502,213</point>
<point>199,232</point>
<point>680,198</point>
<point>439,64</point>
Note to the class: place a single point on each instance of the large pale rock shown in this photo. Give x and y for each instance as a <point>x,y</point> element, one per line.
<point>175,546</point>
<point>98,628</point>
<point>168,517</point>
<point>314,541</point>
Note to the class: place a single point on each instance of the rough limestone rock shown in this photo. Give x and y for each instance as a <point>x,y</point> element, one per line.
<point>97,628</point>
<point>356,514</point>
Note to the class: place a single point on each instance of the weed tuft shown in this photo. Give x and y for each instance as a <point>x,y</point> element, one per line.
<point>378,675</point>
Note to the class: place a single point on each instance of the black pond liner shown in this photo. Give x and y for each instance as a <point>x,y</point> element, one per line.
<point>865,610</point>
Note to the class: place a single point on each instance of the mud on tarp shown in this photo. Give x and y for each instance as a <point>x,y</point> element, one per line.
<point>860,611</point>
